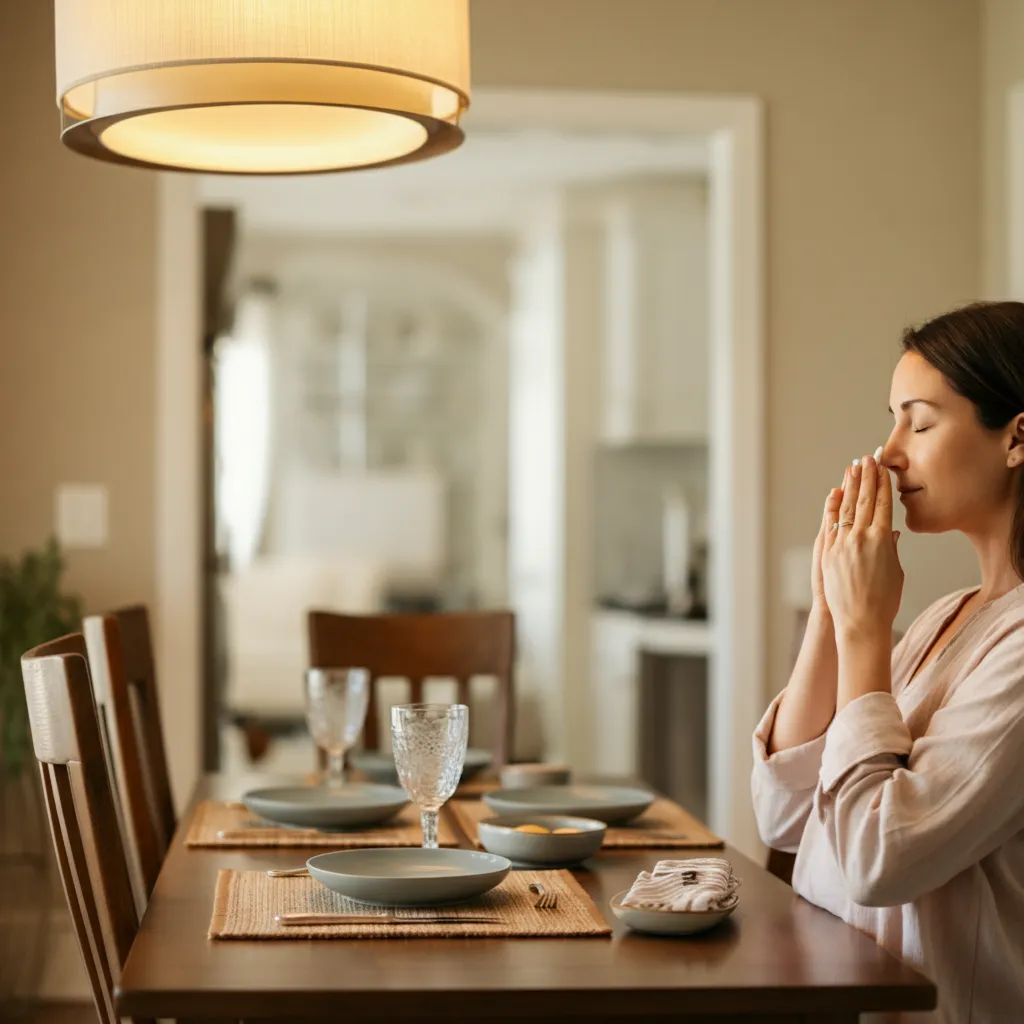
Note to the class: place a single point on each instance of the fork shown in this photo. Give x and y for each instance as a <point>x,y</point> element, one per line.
<point>545,900</point>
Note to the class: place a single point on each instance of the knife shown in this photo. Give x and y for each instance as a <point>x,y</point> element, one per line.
<point>299,919</point>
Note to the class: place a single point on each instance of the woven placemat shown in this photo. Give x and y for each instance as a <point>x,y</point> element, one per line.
<point>246,903</point>
<point>664,825</point>
<point>246,830</point>
<point>476,787</point>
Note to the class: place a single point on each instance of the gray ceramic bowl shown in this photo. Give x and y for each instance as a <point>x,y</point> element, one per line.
<point>526,776</point>
<point>667,922</point>
<point>319,807</point>
<point>409,877</point>
<point>498,835</point>
<point>605,803</point>
<point>380,767</point>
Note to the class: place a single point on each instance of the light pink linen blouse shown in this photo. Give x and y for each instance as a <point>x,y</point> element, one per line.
<point>907,815</point>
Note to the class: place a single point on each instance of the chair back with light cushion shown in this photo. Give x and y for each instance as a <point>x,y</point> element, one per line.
<point>450,645</point>
<point>80,806</point>
<point>124,684</point>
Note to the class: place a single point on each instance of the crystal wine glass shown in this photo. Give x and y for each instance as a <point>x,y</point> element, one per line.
<point>336,702</point>
<point>429,742</point>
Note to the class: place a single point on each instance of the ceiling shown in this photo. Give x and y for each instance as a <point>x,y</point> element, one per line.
<point>485,186</point>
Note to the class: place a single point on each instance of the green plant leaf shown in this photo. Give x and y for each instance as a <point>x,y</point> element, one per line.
<point>33,610</point>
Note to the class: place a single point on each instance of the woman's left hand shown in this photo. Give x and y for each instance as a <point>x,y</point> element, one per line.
<point>860,565</point>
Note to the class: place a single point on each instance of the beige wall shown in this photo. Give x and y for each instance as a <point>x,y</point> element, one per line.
<point>1002,53</point>
<point>76,325</point>
<point>873,220</point>
<point>873,198</point>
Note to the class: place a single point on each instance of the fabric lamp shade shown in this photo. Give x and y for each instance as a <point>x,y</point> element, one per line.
<point>262,86</point>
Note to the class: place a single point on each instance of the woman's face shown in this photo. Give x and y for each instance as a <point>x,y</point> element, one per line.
<point>952,473</point>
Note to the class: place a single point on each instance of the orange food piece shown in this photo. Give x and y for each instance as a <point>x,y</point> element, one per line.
<point>538,830</point>
<point>567,831</point>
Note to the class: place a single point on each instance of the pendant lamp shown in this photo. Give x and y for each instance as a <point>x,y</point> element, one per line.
<point>262,86</point>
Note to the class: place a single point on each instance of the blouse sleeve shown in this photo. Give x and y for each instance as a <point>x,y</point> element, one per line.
<point>782,785</point>
<point>903,817</point>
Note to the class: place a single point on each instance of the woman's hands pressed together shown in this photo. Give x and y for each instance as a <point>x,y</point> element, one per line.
<point>862,577</point>
<point>857,582</point>
<point>863,580</point>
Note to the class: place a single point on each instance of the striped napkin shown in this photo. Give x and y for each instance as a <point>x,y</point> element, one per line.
<point>699,884</point>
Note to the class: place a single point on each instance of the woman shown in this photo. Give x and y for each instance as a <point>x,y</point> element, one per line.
<point>898,776</point>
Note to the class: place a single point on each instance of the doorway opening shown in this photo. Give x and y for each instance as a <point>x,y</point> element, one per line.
<point>546,544</point>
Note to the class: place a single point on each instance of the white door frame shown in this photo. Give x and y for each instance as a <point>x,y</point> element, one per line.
<point>737,456</point>
<point>1013,190</point>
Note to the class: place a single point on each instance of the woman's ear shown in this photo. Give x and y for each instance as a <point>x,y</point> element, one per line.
<point>1015,454</point>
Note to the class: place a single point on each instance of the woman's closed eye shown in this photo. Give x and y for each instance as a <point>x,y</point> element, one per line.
<point>921,430</point>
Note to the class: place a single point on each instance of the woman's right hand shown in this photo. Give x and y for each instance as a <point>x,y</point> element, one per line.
<point>832,503</point>
<point>809,700</point>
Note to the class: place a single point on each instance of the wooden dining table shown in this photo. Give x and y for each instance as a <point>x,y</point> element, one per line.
<point>776,959</point>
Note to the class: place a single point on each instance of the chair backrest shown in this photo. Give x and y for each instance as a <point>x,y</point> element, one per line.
<point>140,671</point>
<point>120,664</point>
<point>452,645</point>
<point>80,806</point>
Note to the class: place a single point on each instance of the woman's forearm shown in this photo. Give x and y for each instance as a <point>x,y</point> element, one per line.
<point>865,666</point>
<point>809,700</point>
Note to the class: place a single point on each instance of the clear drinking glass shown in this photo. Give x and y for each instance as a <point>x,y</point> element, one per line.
<point>429,742</point>
<point>336,702</point>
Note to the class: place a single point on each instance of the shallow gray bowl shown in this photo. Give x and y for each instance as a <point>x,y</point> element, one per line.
<point>409,877</point>
<point>319,807</point>
<point>667,922</point>
<point>498,835</point>
<point>527,776</point>
<point>605,803</point>
<point>380,767</point>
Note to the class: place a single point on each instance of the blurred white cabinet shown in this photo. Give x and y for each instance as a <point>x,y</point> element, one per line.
<point>655,313</point>
<point>617,640</point>
<point>614,701</point>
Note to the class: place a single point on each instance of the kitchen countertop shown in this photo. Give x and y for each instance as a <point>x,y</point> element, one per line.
<point>658,634</point>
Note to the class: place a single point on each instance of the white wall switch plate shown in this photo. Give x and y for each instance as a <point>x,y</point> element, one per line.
<point>81,515</point>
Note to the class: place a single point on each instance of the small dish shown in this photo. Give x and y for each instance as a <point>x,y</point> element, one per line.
<point>409,877</point>
<point>610,804</point>
<point>524,776</point>
<point>379,766</point>
<point>667,922</point>
<point>318,807</point>
<point>498,835</point>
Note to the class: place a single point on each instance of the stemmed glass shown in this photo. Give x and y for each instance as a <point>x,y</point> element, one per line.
<point>429,742</point>
<point>336,702</point>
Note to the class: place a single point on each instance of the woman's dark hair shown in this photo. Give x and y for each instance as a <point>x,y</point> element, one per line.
<point>979,349</point>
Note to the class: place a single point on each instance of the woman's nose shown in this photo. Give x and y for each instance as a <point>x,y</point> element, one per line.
<point>892,456</point>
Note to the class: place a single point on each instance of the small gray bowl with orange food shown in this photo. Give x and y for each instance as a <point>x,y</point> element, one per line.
<point>542,840</point>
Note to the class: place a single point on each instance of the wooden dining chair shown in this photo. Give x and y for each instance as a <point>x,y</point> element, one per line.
<point>80,806</point>
<point>449,645</point>
<point>124,685</point>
